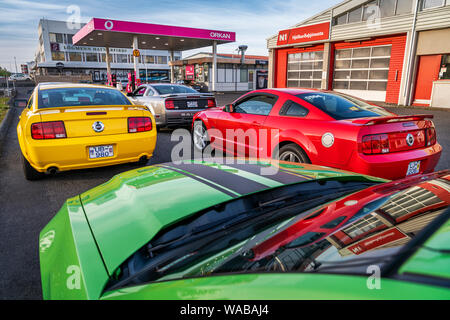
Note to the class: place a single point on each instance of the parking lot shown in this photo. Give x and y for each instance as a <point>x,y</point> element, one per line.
<point>26,207</point>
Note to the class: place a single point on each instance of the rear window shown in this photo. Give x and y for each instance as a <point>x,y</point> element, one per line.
<point>342,107</point>
<point>173,89</point>
<point>69,97</point>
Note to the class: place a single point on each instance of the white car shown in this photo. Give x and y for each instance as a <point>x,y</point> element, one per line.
<point>18,77</point>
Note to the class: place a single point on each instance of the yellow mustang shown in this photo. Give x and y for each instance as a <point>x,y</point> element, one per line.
<point>76,126</point>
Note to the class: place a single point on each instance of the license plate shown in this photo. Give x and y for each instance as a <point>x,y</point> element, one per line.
<point>101,152</point>
<point>192,104</point>
<point>413,168</point>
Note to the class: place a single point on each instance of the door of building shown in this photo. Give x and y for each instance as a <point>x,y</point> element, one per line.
<point>427,72</point>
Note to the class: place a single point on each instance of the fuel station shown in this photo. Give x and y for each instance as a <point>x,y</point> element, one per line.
<point>109,33</point>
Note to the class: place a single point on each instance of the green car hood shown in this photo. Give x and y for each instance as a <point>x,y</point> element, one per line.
<point>129,210</point>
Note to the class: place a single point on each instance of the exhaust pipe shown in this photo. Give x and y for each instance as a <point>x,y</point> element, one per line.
<point>52,170</point>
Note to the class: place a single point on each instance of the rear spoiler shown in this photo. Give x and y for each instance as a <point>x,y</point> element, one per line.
<point>372,121</point>
<point>88,108</point>
<point>200,95</point>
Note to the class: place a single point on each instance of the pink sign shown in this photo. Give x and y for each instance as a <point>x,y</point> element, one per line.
<point>189,72</point>
<point>152,29</point>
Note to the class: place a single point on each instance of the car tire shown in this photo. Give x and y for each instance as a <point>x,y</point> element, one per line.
<point>292,153</point>
<point>200,136</point>
<point>29,172</point>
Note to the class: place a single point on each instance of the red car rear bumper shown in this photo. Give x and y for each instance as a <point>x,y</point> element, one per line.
<point>395,165</point>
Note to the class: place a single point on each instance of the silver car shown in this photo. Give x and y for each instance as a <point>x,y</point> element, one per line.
<point>172,104</point>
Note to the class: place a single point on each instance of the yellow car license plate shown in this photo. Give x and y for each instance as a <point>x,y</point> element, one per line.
<point>101,152</point>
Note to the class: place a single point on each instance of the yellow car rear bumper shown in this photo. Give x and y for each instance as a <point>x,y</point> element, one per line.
<point>73,153</point>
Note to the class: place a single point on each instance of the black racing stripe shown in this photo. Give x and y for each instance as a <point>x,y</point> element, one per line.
<point>223,178</point>
<point>281,176</point>
<point>209,184</point>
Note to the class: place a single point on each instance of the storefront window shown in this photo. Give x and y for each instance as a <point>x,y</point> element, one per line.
<point>58,56</point>
<point>362,68</point>
<point>91,57</point>
<point>426,4</point>
<point>74,56</point>
<point>305,69</point>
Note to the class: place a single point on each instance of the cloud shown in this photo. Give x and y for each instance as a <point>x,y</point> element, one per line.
<point>253,21</point>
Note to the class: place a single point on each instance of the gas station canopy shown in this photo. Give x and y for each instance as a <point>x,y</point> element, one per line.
<point>120,34</point>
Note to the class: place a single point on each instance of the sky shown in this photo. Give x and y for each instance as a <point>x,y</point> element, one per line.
<point>252,20</point>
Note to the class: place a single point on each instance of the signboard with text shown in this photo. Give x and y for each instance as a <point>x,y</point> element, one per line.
<point>310,33</point>
<point>189,72</point>
<point>377,240</point>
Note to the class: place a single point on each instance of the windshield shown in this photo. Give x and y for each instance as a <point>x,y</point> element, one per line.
<point>340,106</point>
<point>173,89</point>
<point>297,230</point>
<point>69,97</point>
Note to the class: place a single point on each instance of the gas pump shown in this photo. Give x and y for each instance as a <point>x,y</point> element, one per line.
<point>113,80</point>
<point>131,82</point>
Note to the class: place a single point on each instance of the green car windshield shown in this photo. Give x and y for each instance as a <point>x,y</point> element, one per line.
<point>294,231</point>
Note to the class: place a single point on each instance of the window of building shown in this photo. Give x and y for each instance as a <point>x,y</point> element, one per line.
<point>91,57</point>
<point>387,8</point>
<point>122,58</point>
<point>381,9</point>
<point>355,15</point>
<point>369,10</point>
<point>74,56</point>
<point>243,73</point>
<point>148,59</point>
<point>362,68</point>
<point>427,4</point>
<point>305,69</point>
<point>162,60</point>
<point>342,19</point>
<point>445,67</point>
<point>58,56</point>
<point>56,37</point>
<point>69,38</point>
<point>404,6</point>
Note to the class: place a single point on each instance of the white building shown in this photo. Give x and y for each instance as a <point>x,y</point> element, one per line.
<point>57,55</point>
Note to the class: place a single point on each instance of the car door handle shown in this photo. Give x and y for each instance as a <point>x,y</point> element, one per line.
<point>256,123</point>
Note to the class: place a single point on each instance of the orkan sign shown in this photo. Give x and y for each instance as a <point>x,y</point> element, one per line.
<point>310,33</point>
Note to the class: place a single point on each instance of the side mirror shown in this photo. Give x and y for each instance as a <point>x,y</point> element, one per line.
<point>229,108</point>
<point>21,103</point>
<point>129,94</point>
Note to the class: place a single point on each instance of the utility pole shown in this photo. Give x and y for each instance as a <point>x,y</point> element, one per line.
<point>15,62</point>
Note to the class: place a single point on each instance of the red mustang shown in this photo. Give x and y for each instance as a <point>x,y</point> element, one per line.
<point>323,128</point>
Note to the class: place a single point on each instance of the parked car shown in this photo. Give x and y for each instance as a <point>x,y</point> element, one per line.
<point>201,230</point>
<point>75,126</point>
<point>18,77</point>
<point>172,104</point>
<point>323,128</point>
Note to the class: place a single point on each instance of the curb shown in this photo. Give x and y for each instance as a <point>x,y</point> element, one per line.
<point>6,122</point>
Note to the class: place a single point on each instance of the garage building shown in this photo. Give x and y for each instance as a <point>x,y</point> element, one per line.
<point>393,51</point>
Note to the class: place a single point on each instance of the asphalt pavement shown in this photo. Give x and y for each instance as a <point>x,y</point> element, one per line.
<point>26,207</point>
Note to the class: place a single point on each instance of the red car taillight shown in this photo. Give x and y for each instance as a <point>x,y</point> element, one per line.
<point>48,130</point>
<point>375,144</point>
<point>139,124</point>
<point>170,104</point>
<point>431,136</point>
<point>211,103</point>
